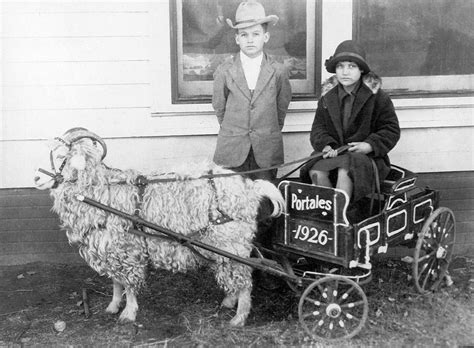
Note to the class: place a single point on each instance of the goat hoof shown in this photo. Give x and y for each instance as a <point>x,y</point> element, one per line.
<point>127,317</point>
<point>237,321</point>
<point>112,309</point>
<point>229,302</point>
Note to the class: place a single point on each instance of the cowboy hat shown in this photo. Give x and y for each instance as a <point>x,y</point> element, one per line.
<point>250,13</point>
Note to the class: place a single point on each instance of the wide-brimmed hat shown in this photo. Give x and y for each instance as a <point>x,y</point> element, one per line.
<point>250,13</point>
<point>348,51</point>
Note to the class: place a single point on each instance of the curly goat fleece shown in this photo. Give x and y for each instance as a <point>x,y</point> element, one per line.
<point>182,206</point>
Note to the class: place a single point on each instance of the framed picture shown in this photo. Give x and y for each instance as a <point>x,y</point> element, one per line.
<point>201,39</point>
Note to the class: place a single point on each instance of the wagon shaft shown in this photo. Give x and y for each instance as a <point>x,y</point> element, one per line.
<point>186,241</point>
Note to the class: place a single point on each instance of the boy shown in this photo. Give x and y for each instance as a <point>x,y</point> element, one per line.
<point>251,97</point>
<point>353,110</point>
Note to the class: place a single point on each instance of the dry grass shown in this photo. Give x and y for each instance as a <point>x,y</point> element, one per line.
<point>183,310</point>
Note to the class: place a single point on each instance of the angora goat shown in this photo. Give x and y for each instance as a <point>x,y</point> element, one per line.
<point>185,205</point>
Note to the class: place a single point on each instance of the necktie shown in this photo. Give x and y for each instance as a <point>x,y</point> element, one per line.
<point>346,110</point>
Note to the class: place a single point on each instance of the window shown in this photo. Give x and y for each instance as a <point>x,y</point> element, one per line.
<point>201,40</point>
<point>418,46</point>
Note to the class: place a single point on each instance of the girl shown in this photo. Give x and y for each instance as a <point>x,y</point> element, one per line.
<point>353,110</point>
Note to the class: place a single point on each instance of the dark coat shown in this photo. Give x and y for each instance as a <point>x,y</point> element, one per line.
<point>373,120</point>
<point>250,120</point>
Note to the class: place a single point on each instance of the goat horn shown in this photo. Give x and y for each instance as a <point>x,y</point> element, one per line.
<point>74,134</point>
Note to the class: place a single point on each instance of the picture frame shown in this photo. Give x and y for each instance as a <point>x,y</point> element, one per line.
<point>201,39</point>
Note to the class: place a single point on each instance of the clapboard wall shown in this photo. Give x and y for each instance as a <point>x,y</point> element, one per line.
<point>106,66</point>
<point>456,193</point>
<point>29,231</point>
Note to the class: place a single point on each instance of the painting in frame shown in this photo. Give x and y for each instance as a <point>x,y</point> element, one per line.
<point>201,39</point>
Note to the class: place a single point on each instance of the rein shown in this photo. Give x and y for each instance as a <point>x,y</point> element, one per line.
<point>303,161</point>
<point>142,180</point>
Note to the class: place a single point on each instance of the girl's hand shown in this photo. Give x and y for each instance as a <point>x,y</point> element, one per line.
<point>328,152</point>
<point>360,147</point>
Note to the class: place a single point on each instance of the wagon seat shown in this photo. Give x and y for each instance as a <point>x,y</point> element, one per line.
<point>388,193</point>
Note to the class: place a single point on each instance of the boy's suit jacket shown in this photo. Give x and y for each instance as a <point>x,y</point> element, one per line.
<point>250,120</point>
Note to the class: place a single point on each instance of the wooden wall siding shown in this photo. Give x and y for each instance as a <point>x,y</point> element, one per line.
<point>29,231</point>
<point>456,193</point>
<point>106,66</point>
<point>64,58</point>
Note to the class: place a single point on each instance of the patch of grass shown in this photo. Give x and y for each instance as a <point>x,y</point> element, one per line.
<point>179,310</point>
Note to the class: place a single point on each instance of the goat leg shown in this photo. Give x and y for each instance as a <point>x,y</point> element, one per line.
<point>243,308</point>
<point>114,305</point>
<point>129,313</point>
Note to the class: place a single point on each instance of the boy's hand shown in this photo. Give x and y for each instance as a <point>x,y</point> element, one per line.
<point>328,152</point>
<point>360,147</point>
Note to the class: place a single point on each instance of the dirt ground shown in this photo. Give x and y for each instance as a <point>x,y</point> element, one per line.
<point>179,310</point>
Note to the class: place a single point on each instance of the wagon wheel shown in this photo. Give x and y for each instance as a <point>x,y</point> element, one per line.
<point>333,308</point>
<point>433,250</point>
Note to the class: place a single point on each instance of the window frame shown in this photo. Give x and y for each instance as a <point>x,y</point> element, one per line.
<point>418,86</point>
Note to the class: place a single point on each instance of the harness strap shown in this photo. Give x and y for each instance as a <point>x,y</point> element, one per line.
<point>140,183</point>
<point>222,217</point>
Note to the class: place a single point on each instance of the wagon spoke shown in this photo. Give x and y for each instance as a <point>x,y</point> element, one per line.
<point>446,240</point>
<point>351,316</point>
<point>313,301</point>
<point>352,304</point>
<point>450,243</point>
<point>451,227</point>
<point>345,295</point>
<point>446,222</point>
<point>329,294</point>
<point>349,319</point>
<point>426,256</point>
<point>436,283</point>
<point>427,266</point>
<point>325,294</point>
<point>427,244</point>
<point>311,314</point>
<point>447,233</point>
<point>426,278</point>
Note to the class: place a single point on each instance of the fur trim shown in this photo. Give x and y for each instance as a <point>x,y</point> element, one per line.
<point>371,80</point>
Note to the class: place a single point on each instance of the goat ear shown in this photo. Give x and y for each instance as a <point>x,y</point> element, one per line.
<point>61,151</point>
<point>78,162</point>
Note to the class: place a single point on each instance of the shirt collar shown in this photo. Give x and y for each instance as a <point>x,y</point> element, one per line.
<point>246,60</point>
<point>341,92</point>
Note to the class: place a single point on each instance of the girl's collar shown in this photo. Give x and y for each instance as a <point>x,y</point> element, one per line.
<point>371,80</point>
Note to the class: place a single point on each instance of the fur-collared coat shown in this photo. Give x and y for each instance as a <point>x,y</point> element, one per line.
<point>373,120</point>
<point>250,120</point>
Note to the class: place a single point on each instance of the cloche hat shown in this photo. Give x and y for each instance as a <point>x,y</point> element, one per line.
<point>250,13</point>
<point>348,51</point>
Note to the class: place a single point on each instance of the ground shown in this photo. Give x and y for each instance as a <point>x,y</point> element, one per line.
<point>179,310</point>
